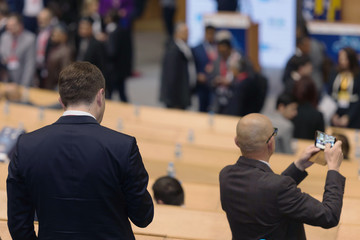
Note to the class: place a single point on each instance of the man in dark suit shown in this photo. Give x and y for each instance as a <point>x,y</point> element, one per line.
<point>204,55</point>
<point>263,205</point>
<point>84,181</point>
<point>178,75</point>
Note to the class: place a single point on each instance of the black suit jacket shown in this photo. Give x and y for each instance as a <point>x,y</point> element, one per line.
<point>175,87</point>
<point>83,180</point>
<point>95,53</point>
<point>261,204</point>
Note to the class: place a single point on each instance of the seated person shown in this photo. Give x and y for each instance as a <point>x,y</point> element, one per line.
<point>168,190</point>
<point>286,109</point>
<point>309,118</point>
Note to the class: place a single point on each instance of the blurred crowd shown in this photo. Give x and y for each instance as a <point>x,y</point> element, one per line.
<point>38,38</point>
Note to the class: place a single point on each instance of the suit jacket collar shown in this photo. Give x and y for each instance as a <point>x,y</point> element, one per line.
<point>76,120</point>
<point>254,163</point>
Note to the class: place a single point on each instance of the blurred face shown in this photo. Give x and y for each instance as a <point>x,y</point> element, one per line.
<point>224,51</point>
<point>58,36</point>
<point>305,70</point>
<point>13,26</point>
<point>343,60</point>
<point>210,35</point>
<point>183,33</point>
<point>289,111</point>
<point>44,19</point>
<point>85,29</point>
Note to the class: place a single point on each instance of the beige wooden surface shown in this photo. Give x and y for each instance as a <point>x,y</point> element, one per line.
<point>157,131</point>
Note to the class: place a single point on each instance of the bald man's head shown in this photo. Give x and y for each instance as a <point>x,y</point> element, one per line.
<point>252,132</point>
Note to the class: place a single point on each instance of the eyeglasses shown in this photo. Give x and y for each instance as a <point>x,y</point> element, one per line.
<point>273,134</point>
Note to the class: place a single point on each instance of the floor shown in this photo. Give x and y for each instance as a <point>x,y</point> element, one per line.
<point>144,89</point>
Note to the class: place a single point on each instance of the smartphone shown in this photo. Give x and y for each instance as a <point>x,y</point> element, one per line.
<point>321,139</point>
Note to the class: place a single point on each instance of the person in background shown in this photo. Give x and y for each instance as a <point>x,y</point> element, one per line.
<point>222,74</point>
<point>204,55</point>
<point>46,24</point>
<point>168,190</point>
<point>88,48</point>
<point>90,9</point>
<point>286,110</point>
<point>345,90</point>
<point>60,55</point>
<point>4,13</point>
<point>168,14</point>
<point>118,56</point>
<point>303,47</point>
<point>178,76</point>
<point>17,49</point>
<point>227,5</point>
<point>309,118</point>
<point>29,9</point>
<point>300,67</point>
<point>260,204</point>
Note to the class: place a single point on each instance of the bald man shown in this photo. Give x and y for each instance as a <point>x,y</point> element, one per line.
<point>263,205</point>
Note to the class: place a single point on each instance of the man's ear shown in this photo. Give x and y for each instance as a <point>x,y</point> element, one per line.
<point>100,96</point>
<point>236,142</point>
<point>62,104</point>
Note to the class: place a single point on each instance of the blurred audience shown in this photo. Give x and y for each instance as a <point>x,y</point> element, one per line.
<point>204,55</point>
<point>91,9</point>
<point>308,119</point>
<point>286,110</point>
<point>4,13</point>
<point>168,190</point>
<point>118,62</point>
<point>300,67</point>
<point>60,54</point>
<point>29,9</point>
<point>17,49</point>
<point>222,73</point>
<point>46,22</point>
<point>345,89</point>
<point>178,77</point>
<point>303,48</point>
<point>88,48</point>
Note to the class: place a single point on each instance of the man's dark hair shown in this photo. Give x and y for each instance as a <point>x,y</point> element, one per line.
<point>169,191</point>
<point>299,61</point>
<point>210,27</point>
<point>225,42</point>
<point>79,83</point>
<point>285,99</point>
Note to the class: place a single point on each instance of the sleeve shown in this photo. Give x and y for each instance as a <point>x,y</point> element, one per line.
<point>29,64</point>
<point>21,210</point>
<point>293,172</point>
<point>139,202</point>
<point>304,208</point>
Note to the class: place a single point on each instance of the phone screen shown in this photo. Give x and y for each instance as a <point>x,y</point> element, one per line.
<point>321,139</point>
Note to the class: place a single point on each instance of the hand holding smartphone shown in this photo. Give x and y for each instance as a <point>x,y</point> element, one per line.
<point>321,139</point>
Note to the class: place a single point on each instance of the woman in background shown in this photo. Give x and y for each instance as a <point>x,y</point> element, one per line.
<point>345,90</point>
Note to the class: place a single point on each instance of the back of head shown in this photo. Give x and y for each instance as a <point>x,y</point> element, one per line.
<point>305,91</point>
<point>252,132</point>
<point>79,83</point>
<point>168,190</point>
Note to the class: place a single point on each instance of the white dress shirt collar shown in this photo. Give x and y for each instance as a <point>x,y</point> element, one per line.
<point>265,163</point>
<point>77,113</point>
